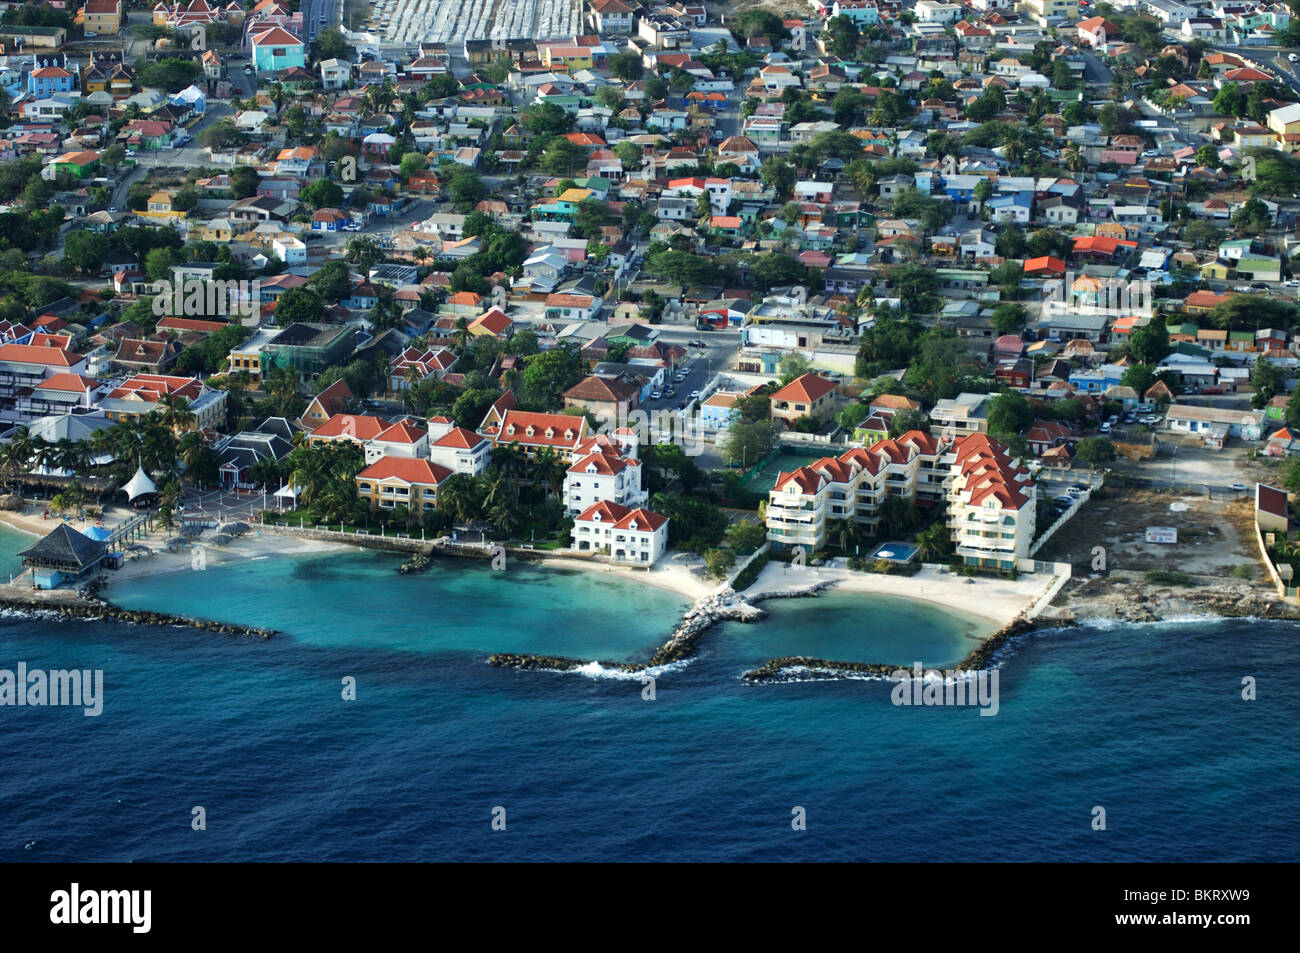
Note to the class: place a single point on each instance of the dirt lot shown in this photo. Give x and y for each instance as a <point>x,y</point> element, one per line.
<point>1214,536</point>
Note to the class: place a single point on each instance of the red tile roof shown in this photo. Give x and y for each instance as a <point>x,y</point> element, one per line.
<point>405,469</point>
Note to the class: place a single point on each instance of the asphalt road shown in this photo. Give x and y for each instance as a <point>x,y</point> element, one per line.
<point>313,10</point>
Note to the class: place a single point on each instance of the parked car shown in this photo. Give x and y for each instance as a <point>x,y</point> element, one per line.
<point>656,395</point>
<point>1239,487</point>
<point>1105,427</point>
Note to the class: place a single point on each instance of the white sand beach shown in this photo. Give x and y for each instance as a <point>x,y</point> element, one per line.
<point>997,600</point>
<point>666,574</point>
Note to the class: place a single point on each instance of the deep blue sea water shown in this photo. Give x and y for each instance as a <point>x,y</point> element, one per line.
<point>1146,721</point>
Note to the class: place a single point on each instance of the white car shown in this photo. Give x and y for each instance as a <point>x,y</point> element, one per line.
<point>1239,487</point>
<point>695,395</point>
<point>656,394</point>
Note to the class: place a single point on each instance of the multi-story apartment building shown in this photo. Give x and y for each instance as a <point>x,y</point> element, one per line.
<point>991,503</point>
<point>963,414</point>
<point>1049,12</point>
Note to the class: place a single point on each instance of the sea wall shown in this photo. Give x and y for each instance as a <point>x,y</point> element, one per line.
<point>800,667</point>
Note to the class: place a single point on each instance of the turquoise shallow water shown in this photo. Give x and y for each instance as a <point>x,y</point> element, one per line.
<point>1147,721</point>
<point>357,599</point>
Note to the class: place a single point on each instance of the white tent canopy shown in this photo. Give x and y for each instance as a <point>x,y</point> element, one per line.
<point>139,485</point>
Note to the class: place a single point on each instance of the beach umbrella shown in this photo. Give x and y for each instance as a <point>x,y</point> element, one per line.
<point>191,531</point>
<point>220,539</point>
<point>236,529</point>
<point>177,541</point>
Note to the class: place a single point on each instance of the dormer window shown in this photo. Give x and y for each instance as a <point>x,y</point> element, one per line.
<point>568,435</point>
<point>530,431</point>
<point>510,429</point>
<point>550,432</point>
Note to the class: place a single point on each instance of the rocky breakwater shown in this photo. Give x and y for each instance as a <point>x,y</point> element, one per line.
<point>682,644</point>
<point>418,563</point>
<point>803,668</point>
<point>97,611</point>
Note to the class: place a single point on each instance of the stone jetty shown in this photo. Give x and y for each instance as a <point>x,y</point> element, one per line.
<point>80,608</point>
<point>799,667</point>
<point>683,643</point>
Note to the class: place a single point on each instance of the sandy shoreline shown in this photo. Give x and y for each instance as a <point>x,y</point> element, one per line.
<point>996,601</point>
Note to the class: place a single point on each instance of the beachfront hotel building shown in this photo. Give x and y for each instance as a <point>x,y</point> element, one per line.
<point>991,503</point>
<point>607,471</point>
<point>401,481</point>
<point>626,535</point>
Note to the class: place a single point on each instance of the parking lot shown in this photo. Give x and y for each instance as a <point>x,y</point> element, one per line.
<point>411,22</point>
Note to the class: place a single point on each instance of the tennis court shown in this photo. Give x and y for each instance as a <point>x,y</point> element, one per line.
<point>765,477</point>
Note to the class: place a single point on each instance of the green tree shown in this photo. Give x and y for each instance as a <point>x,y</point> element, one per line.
<point>322,193</point>
<point>298,305</point>
<point>1095,451</point>
<point>85,251</point>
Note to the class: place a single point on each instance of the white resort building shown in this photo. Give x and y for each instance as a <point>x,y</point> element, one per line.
<point>991,501</point>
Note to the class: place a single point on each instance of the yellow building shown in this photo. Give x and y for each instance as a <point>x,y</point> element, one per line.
<point>401,481</point>
<point>101,17</point>
<point>217,230</point>
<point>160,206</point>
<point>1043,11</point>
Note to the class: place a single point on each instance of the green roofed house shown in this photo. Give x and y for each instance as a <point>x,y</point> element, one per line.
<point>1259,268</point>
<point>63,556</point>
<point>1241,341</point>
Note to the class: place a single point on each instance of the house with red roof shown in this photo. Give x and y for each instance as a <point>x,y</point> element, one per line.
<point>402,439</point>
<point>335,399</point>
<point>459,449</point>
<point>143,394</point>
<point>412,482</point>
<point>806,396</point>
<point>627,535</point>
<point>531,431</point>
<point>608,471</point>
<point>355,428</point>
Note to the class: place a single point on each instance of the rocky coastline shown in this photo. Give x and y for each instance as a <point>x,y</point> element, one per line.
<point>1133,599</point>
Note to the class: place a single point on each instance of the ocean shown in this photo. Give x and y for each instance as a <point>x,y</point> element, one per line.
<point>1145,721</point>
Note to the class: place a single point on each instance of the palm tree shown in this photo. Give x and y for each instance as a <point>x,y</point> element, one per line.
<point>101,443</point>
<point>462,332</point>
<point>174,412</point>
<point>1072,159</point>
<point>309,474</point>
<point>549,469</point>
<point>190,448</point>
<point>510,459</point>
<point>494,485</point>
<point>843,531</point>
<point>282,386</point>
<point>22,449</point>
<point>42,453</point>
<point>455,497</point>
<point>504,518</point>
